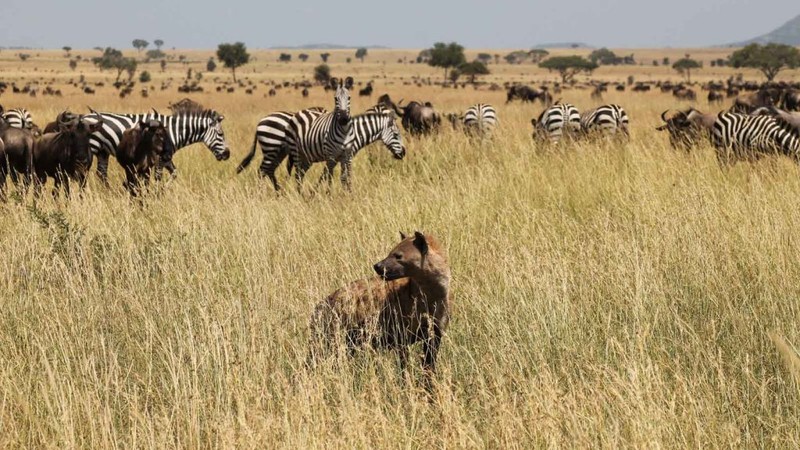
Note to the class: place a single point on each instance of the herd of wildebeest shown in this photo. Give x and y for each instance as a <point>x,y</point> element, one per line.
<point>763,119</point>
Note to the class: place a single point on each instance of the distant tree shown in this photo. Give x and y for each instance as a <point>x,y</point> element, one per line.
<point>348,60</point>
<point>99,49</point>
<point>538,54</point>
<point>140,44</point>
<point>130,67</point>
<point>511,58</point>
<point>211,65</point>
<point>473,69</point>
<point>454,75</point>
<point>770,59</point>
<point>66,49</point>
<point>684,66</point>
<point>158,43</point>
<point>361,53</point>
<point>604,57</point>
<point>324,57</point>
<point>424,56</point>
<point>665,61</point>
<point>73,64</point>
<point>484,58</point>
<point>302,57</point>
<point>655,63</point>
<point>182,58</point>
<point>233,56</point>
<point>446,56</point>
<point>285,57</point>
<point>721,62</point>
<point>568,66</point>
<point>24,56</point>
<point>163,64</point>
<point>155,54</point>
<point>322,74</point>
<point>145,77</point>
<point>112,59</point>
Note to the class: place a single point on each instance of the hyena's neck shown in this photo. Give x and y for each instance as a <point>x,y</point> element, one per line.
<point>434,284</point>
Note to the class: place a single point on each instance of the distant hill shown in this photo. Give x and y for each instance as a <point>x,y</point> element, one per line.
<point>326,47</point>
<point>564,45</point>
<point>788,33</point>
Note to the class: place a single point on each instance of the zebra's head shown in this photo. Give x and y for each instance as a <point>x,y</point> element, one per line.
<point>214,137</point>
<point>342,97</point>
<point>391,136</point>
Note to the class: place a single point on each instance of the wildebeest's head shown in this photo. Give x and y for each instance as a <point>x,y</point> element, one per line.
<point>78,152</point>
<point>683,127</point>
<point>157,135</point>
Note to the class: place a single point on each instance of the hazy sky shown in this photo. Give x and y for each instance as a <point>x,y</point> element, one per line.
<point>400,24</point>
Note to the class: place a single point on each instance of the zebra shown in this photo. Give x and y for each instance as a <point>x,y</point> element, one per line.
<point>607,119</point>
<point>271,137</point>
<point>481,118</point>
<point>739,135</point>
<point>184,129</point>
<point>315,136</point>
<point>377,123</point>
<point>20,118</point>
<point>556,121</point>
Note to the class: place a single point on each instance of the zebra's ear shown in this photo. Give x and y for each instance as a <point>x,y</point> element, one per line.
<point>348,83</point>
<point>334,83</point>
<point>220,118</point>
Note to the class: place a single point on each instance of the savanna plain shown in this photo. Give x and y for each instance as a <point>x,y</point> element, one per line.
<point>606,294</point>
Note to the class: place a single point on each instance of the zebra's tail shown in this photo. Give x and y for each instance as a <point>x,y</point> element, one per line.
<point>249,158</point>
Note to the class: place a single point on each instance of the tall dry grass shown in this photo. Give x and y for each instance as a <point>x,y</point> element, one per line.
<point>605,295</point>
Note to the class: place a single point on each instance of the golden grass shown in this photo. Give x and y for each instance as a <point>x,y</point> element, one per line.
<point>604,295</point>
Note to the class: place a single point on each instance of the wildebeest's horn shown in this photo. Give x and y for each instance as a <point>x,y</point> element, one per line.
<point>664,115</point>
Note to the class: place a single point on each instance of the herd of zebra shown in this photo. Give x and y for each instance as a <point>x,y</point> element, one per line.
<point>315,135</point>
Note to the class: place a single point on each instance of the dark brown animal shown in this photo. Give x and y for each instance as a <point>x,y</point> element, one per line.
<point>715,97</point>
<point>140,151</point>
<point>747,103</point>
<point>682,93</point>
<point>64,155</point>
<point>17,159</point>
<point>686,128</point>
<point>409,302</point>
<point>419,119</point>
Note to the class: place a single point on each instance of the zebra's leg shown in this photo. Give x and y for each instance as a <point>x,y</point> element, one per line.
<point>272,159</point>
<point>327,174</point>
<point>345,176</point>
<point>301,167</point>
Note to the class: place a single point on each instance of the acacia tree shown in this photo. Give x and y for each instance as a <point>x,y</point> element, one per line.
<point>233,56</point>
<point>66,49</point>
<point>140,44</point>
<point>361,53</point>
<point>684,66</point>
<point>302,57</point>
<point>446,56</point>
<point>538,54</point>
<point>473,69</point>
<point>158,43</point>
<point>112,59</point>
<point>322,74</point>
<point>568,66</point>
<point>324,57</point>
<point>770,59</point>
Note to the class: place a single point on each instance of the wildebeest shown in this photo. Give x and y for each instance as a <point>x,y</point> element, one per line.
<point>366,91</point>
<point>747,103</point>
<point>305,92</point>
<point>790,100</point>
<point>687,127</point>
<point>141,150</point>
<point>682,93</point>
<point>63,117</point>
<point>64,155</point>
<point>17,154</point>
<point>528,94</point>
<point>715,97</point>
<point>420,119</point>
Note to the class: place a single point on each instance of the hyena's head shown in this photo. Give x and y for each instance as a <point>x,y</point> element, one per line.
<point>413,256</point>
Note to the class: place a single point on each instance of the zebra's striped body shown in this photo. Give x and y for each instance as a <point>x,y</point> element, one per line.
<point>184,129</point>
<point>366,129</point>
<point>315,136</point>
<point>606,119</point>
<point>557,121</point>
<point>739,135</point>
<point>271,137</point>
<point>480,118</point>
<point>19,118</point>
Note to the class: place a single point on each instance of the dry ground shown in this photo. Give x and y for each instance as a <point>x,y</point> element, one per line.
<point>605,295</point>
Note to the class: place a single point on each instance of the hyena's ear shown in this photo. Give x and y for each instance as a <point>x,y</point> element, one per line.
<point>421,243</point>
<point>403,236</point>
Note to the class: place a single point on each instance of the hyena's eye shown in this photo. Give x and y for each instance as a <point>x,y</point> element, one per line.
<point>398,256</point>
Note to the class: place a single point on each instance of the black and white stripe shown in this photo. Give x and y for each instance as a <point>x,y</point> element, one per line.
<point>19,118</point>
<point>184,129</point>
<point>557,121</point>
<point>377,123</point>
<point>481,118</point>
<point>315,136</point>
<point>271,137</point>
<point>740,135</point>
<point>607,119</point>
